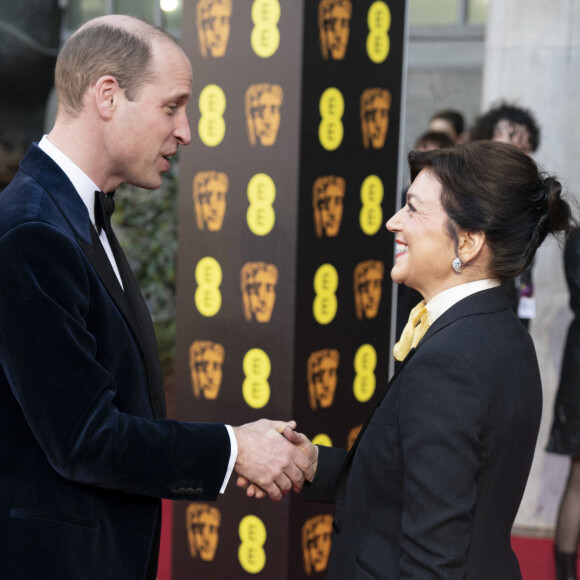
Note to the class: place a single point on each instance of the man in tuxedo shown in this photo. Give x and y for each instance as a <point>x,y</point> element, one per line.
<point>85,451</point>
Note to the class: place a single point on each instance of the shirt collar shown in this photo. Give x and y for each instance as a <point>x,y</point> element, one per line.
<point>83,184</point>
<point>446,299</point>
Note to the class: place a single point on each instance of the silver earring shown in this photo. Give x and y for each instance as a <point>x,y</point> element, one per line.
<point>456,265</point>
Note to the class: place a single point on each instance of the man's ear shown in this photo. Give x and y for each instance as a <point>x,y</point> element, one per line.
<point>471,246</point>
<point>107,94</point>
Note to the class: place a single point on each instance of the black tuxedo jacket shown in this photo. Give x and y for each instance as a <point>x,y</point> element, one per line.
<point>432,486</point>
<point>85,453</point>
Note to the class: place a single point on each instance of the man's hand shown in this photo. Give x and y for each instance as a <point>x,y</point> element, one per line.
<point>301,445</point>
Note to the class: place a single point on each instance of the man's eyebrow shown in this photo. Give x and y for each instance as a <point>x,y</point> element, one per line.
<point>182,96</point>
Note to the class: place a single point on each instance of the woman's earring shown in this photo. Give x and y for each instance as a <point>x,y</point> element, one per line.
<point>456,265</point>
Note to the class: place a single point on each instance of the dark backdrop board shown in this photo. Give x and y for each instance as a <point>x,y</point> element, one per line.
<point>284,293</point>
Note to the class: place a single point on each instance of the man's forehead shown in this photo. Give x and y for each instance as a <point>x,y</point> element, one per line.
<point>169,57</point>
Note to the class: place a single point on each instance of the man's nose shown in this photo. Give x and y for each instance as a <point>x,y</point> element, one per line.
<point>182,131</point>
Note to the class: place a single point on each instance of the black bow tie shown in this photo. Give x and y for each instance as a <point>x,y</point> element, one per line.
<point>104,207</point>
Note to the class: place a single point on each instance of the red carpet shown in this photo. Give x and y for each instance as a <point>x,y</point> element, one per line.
<point>536,556</point>
<point>164,570</point>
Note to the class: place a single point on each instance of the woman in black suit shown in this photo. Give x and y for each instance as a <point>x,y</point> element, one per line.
<point>565,432</point>
<point>431,487</point>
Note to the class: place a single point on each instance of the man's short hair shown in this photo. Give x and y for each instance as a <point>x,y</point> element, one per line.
<point>452,116</point>
<point>100,49</point>
<point>433,140</point>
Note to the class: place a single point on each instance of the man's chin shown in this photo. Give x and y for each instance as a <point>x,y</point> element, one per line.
<point>149,184</point>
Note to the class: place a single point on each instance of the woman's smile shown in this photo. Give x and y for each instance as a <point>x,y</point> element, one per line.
<point>400,248</point>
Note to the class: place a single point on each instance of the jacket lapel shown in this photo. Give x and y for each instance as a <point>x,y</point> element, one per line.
<point>352,450</point>
<point>140,320</point>
<point>42,168</point>
<point>100,262</point>
<point>132,305</point>
<point>484,302</point>
<point>74,211</point>
<point>481,302</point>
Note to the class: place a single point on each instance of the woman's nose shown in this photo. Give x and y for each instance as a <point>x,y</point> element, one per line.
<point>394,222</point>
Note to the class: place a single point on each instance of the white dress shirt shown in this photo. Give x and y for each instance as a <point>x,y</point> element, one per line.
<point>86,188</point>
<point>446,299</point>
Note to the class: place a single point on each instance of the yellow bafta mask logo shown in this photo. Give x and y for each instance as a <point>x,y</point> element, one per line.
<point>327,204</point>
<point>213,27</point>
<point>202,522</point>
<point>316,543</point>
<point>322,371</point>
<point>206,361</point>
<point>334,27</point>
<point>368,279</point>
<point>351,437</point>
<point>374,117</point>
<point>258,286</point>
<point>209,199</point>
<point>263,105</point>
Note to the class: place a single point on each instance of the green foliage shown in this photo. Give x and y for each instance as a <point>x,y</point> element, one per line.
<point>146,222</point>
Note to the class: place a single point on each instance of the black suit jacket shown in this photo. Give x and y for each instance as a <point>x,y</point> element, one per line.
<point>84,454</point>
<point>432,486</point>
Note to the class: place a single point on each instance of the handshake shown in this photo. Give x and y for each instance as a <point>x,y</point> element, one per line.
<point>273,458</point>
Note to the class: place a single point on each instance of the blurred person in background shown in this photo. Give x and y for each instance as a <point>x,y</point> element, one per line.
<point>508,123</point>
<point>565,432</point>
<point>449,121</point>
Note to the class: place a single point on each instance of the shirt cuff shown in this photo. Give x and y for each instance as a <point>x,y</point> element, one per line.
<point>233,457</point>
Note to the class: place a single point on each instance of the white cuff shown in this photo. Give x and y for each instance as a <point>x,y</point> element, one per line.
<point>233,457</point>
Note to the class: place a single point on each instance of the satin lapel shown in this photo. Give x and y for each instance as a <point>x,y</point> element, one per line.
<point>100,261</point>
<point>146,332</point>
<point>133,307</point>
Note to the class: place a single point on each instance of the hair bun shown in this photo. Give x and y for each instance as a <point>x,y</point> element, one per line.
<point>553,211</point>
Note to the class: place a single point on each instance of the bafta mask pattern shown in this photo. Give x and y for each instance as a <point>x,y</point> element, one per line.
<point>334,27</point>
<point>322,372</point>
<point>210,189</point>
<point>374,117</point>
<point>263,105</point>
<point>316,543</point>
<point>202,522</point>
<point>351,437</point>
<point>368,279</point>
<point>213,27</point>
<point>258,286</point>
<point>206,360</point>
<point>327,204</point>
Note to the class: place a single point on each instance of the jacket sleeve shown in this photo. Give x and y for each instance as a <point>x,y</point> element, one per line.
<point>323,487</point>
<point>55,323</point>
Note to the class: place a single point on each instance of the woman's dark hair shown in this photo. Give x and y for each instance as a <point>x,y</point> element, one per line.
<point>497,189</point>
<point>485,125</point>
<point>453,116</point>
<point>433,140</point>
